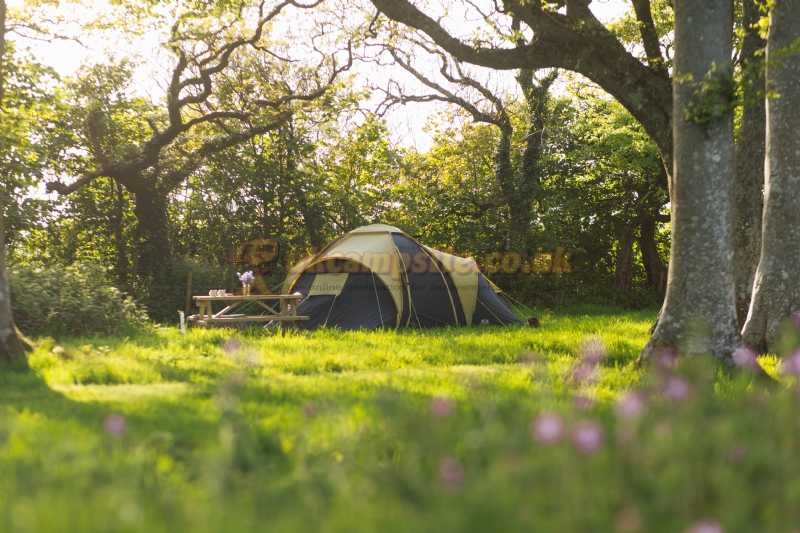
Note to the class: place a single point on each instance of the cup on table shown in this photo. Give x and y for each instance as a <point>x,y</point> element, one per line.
<point>221,292</point>
<point>212,292</point>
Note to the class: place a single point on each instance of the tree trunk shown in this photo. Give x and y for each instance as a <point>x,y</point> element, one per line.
<point>623,275</point>
<point>504,174</point>
<point>653,265</point>
<point>118,225</point>
<point>749,172</point>
<point>777,285</point>
<point>12,346</point>
<point>699,315</point>
<point>528,188</point>
<point>154,268</point>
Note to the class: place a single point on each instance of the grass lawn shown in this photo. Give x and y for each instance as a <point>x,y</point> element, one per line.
<point>473,429</point>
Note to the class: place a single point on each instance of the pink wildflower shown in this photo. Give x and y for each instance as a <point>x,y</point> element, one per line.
<point>667,357</point>
<point>588,436</point>
<point>677,388</point>
<point>631,406</point>
<point>548,428</point>
<point>706,526</point>
<point>451,473</point>
<point>593,351</point>
<point>745,357</point>
<point>115,425</point>
<point>585,370</point>
<point>441,407</point>
<point>791,364</point>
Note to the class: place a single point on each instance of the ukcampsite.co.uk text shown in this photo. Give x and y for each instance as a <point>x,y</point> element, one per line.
<point>393,264</point>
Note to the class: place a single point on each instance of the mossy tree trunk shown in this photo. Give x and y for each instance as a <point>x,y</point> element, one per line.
<point>749,173</point>
<point>12,345</point>
<point>776,293</point>
<point>699,315</point>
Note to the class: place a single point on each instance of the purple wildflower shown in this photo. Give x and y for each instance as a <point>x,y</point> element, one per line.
<point>706,526</point>
<point>588,436</point>
<point>631,406</point>
<point>115,425</point>
<point>441,407</point>
<point>791,364</point>
<point>548,428</point>
<point>677,388</point>
<point>451,473</point>
<point>667,357</point>
<point>745,357</point>
<point>585,370</point>
<point>593,351</point>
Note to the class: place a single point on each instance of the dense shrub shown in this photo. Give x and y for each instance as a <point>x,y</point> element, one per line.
<point>552,291</point>
<point>73,300</point>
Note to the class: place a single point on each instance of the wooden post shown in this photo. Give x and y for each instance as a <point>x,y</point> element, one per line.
<point>284,312</point>
<point>188,292</point>
<point>231,267</point>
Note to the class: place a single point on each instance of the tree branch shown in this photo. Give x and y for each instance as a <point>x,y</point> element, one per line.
<point>647,28</point>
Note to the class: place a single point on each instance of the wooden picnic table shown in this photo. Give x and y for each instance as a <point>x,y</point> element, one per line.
<point>287,314</point>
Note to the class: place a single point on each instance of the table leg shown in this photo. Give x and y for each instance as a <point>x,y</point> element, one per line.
<point>205,311</point>
<point>295,302</point>
<point>284,312</point>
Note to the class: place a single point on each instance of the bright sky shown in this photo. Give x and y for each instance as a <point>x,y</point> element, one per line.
<point>406,122</point>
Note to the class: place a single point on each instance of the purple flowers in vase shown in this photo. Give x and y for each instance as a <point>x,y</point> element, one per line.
<point>246,278</point>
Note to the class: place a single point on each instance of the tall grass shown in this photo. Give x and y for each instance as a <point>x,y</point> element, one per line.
<point>438,430</point>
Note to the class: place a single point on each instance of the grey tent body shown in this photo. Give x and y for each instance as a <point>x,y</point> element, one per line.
<point>379,277</point>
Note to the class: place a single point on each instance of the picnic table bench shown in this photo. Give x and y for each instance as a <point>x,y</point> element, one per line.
<point>287,314</point>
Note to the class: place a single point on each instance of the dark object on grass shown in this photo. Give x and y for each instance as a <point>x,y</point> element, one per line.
<point>533,322</point>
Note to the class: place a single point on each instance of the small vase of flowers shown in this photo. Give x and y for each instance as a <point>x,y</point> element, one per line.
<point>246,278</point>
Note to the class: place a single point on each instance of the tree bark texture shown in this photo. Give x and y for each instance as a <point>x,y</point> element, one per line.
<point>118,227</point>
<point>699,315</point>
<point>623,274</point>
<point>653,265</point>
<point>749,170</point>
<point>154,268</point>
<point>776,294</point>
<point>12,347</point>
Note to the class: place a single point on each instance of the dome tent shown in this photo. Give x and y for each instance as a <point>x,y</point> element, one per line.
<point>377,276</point>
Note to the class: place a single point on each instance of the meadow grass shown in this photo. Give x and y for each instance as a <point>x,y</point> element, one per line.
<point>412,431</point>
